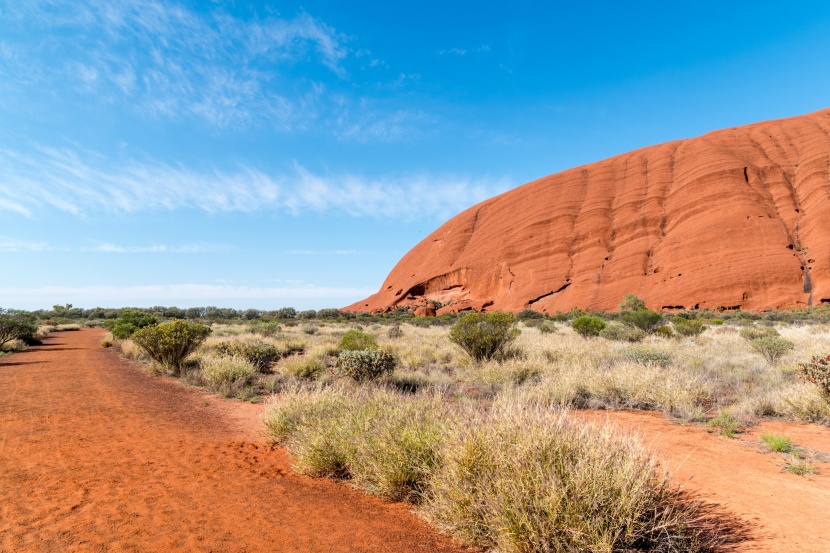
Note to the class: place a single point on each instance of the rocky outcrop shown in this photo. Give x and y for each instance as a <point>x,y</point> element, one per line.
<point>737,218</point>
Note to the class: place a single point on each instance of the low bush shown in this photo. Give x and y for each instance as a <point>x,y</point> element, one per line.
<point>395,332</point>
<point>630,302</point>
<point>17,326</point>
<point>269,329</point>
<point>644,319</point>
<point>169,344</point>
<point>227,375</point>
<point>588,326</point>
<point>365,365</point>
<point>356,340</point>
<point>750,333</point>
<point>690,328</point>
<point>648,356</point>
<point>130,321</point>
<point>258,353</point>
<point>14,346</point>
<point>310,329</point>
<point>817,371</point>
<point>527,314</point>
<point>622,333</point>
<point>773,348</point>
<point>484,335</point>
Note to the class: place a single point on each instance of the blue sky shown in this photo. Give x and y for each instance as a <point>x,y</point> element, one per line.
<point>267,154</point>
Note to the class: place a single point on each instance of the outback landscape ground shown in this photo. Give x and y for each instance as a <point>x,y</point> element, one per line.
<point>101,453</point>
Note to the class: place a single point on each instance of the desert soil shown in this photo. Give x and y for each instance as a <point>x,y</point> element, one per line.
<point>97,456</point>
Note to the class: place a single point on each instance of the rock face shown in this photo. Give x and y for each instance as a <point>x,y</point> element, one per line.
<point>737,218</point>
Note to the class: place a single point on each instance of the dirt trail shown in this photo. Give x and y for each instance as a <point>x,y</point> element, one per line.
<point>96,456</point>
<point>782,511</point>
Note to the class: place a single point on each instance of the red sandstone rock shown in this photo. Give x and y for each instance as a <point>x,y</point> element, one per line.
<point>425,311</point>
<point>735,218</point>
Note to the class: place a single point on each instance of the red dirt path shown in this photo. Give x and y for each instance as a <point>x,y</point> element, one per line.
<point>96,456</point>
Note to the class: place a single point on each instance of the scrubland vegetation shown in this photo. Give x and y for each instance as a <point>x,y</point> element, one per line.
<point>467,417</point>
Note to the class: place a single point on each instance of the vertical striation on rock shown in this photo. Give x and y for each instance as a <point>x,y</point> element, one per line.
<point>735,218</point>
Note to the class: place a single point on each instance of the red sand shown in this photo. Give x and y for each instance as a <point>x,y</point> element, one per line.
<point>97,456</point>
<point>734,218</point>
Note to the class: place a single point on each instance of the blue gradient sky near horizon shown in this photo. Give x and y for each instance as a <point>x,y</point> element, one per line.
<point>268,154</point>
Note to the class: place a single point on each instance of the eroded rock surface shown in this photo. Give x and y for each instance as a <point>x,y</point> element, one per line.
<point>735,218</point>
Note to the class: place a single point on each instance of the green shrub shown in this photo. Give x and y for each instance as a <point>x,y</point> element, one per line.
<point>17,326</point>
<point>631,302</point>
<point>527,314</point>
<point>690,328</point>
<point>622,333</point>
<point>817,371</point>
<point>588,326</point>
<point>309,329</point>
<point>269,329</point>
<point>228,375</point>
<point>644,319</point>
<point>365,365</point>
<point>484,335</point>
<point>750,333</point>
<point>772,348</point>
<point>664,332</point>
<point>169,344</point>
<point>130,321</point>
<point>356,340</point>
<point>260,354</point>
<point>648,356</point>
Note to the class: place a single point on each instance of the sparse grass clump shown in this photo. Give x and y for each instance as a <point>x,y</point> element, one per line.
<point>303,367</point>
<point>484,335</point>
<point>777,443</point>
<point>526,479</point>
<point>750,333</point>
<point>648,355</point>
<point>725,424</point>
<point>227,375</point>
<point>269,329</point>
<point>800,467</point>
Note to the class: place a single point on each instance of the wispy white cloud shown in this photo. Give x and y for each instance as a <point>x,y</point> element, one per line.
<point>12,245</point>
<point>325,252</point>
<point>165,60</point>
<point>82,182</point>
<point>483,49</point>
<point>105,247</point>
<point>181,294</point>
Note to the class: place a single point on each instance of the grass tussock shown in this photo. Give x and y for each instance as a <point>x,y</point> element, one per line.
<point>229,376</point>
<point>514,478</point>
